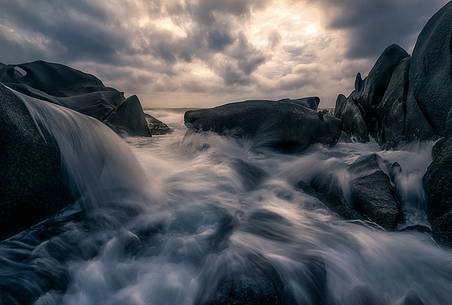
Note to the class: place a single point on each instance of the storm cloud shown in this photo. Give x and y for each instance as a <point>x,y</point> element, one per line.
<point>177,53</point>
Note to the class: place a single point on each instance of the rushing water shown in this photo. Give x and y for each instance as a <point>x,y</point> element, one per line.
<point>205,219</point>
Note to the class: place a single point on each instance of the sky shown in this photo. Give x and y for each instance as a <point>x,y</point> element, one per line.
<point>202,53</point>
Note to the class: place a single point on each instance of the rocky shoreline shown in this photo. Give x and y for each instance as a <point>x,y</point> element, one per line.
<point>404,98</point>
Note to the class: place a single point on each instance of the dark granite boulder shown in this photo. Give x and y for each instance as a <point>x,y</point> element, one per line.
<point>350,113</point>
<point>391,111</point>
<point>430,77</point>
<point>377,81</point>
<point>156,127</point>
<point>367,195</point>
<point>287,127</point>
<point>340,103</point>
<point>371,192</point>
<point>77,90</point>
<point>438,186</point>
<point>128,118</point>
<point>31,181</point>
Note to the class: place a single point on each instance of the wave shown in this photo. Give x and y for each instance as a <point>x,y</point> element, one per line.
<point>204,219</point>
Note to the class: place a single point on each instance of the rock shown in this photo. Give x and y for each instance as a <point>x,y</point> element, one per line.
<point>129,118</point>
<point>240,277</point>
<point>352,119</point>
<point>77,90</point>
<point>156,127</point>
<point>31,187</point>
<point>370,195</point>
<point>438,185</point>
<point>340,103</point>
<point>287,127</point>
<point>377,81</point>
<point>430,76</point>
<point>359,83</point>
<point>412,298</point>
<point>371,192</point>
<point>51,78</point>
<point>310,102</point>
<point>391,111</point>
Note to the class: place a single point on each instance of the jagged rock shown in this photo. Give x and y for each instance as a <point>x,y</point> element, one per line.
<point>352,120</point>
<point>129,118</point>
<point>377,81</point>
<point>430,92</point>
<point>371,192</point>
<point>359,83</point>
<point>77,90</point>
<point>31,187</point>
<point>340,103</point>
<point>391,111</point>
<point>438,186</point>
<point>156,127</point>
<point>286,126</point>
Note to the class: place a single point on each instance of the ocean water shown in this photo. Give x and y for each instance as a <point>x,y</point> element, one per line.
<point>204,219</point>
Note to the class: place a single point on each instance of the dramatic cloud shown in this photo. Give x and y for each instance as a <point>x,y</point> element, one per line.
<point>373,25</point>
<point>175,53</point>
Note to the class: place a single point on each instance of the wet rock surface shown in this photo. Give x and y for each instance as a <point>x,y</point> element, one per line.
<point>79,91</point>
<point>285,126</point>
<point>31,180</point>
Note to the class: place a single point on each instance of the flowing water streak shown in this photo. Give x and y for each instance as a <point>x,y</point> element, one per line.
<point>223,219</point>
<point>99,167</point>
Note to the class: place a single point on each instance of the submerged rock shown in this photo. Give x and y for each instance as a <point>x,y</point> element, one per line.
<point>79,91</point>
<point>287,127</point>
<point>31,181</point>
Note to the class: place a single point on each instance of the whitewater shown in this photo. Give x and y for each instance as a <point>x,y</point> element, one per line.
<point>197,218</point>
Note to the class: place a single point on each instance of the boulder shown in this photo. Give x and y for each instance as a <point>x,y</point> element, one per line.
<point>240,277</point>
<point>430,78</point>
<point>340,103</point>
<point>368,195</point>
<point>77,90</point>
<point>287,127</point>
<point>350,113</point>
<point>371,192</point>
<point>391,111</point>
<point>129,118</point>
<point>31,180</point>
<point>156,127</point>
<point>377,81</point>
<point>438,185</point>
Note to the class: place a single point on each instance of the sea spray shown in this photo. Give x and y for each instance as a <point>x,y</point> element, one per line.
<point>210,236</point>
